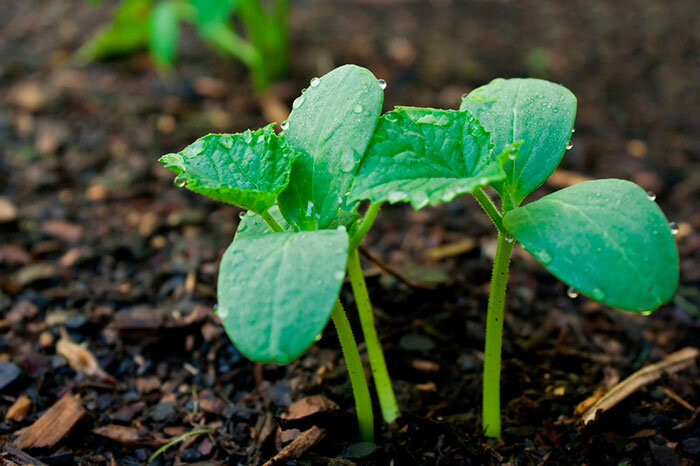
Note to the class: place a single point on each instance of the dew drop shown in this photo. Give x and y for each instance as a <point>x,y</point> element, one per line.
<point>572,292</point>
<point>357,108</point>
<point>396,196</point>
<point>382,83</point>
<point>179,182</point>
<point>543,256</point>
<point>511,155</point>
<point>674,228</point>
<point>509,238</point>
<point>247,137</point>
<point>464,96</point>
<point>651,195</point>
<point>573,130</point>
<point>339,275</point>
<point>483,180</point>
<point>297,102</point>
<point>309,209</point>
<point>285,125</point>
<point>347,163</point>
<point>391,117</point>
<point>222,312</point>
<point>646,313</point>
<point>598,294</point>
<point>569,145</point>
<point>314,82</point>
<point>341,228</point>
<point>241,214</point>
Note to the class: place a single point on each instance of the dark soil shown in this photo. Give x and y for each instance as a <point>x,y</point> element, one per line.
<point>104,246</point>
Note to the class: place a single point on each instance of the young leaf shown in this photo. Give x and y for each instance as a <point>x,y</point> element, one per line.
<point>276,291</point>
<point>606,239</point>
<point>248,170</point>
<point>164,32</point>
<point>538,112</point>
<point>425,156</point>
<point>331,125</point>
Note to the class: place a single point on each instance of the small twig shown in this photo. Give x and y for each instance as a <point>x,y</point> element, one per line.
<point>393,272</point>
<point>18,454</point>
<point>672,363</point>
<point>675,397</point>
<point>179,439</point>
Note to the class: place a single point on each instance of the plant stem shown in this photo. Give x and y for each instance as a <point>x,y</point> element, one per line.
<point>360,390</point>
<point>366,224</point>
<point>382,382</point>
<point>491,407</point>
<point>271,222</point>
<point>490,208</point>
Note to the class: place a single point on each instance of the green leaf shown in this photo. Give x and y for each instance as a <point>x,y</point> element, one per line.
<point>331,125</point>
<point>212,12</point>
<point>127,33</point>
<point>425,156</point>
<point>252,224</point>
<point>538,112</point>
<point>276,291</point>
<point>248,170</point>
<point>164,33</point>
<point>606,239</point>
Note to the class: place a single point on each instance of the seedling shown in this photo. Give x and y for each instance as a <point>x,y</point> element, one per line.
<point>280,278</point>
<point>606,239</point>
<point>155,24</point>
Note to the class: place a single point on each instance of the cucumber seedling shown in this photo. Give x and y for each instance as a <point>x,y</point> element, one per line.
<point>280,279</point>
<point>606,239</point>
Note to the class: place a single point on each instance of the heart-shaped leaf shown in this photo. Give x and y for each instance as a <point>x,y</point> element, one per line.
<point>425,156</point>
<point>537,112</point>
<point>605,238</point>
<point>330,125</point>
<point>276,291</point>
<point>248,170</point>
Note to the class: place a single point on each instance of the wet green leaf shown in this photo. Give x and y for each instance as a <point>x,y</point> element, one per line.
<point>330,125</point>
<point>606,239</point>
<point>276,291</point>
<point>425,156</point>
<point>248,170</point>
<point>537,112</point>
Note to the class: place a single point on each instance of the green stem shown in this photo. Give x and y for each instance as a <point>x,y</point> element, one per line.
<point>491,408</point>
<point>382,382</point>
<point>366,224</point>
<point>271,222</point>
<point>490,208</point>
<point>360,390</point>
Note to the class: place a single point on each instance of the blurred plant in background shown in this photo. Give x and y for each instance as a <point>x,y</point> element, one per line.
<point>261,45</point>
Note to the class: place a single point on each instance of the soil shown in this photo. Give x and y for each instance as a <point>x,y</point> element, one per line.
<point>96,240</point>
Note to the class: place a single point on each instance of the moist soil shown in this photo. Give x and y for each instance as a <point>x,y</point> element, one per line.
<point>96,242</point>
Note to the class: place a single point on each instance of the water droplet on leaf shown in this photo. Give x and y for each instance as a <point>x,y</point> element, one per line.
<point>569,145</point>
<point>572,292</point>
<point>396,196</point>
<point>646,313</point>
<point>284,125</point>
<point>464,96</point>
<point>241,214</point>
<point>347,163</point>
<point>511,155</point>
<point>483,181</point>
<point>543,256</point>
<point>509,238</point>
<point>247,137</point>
<point>357,108</point>
<point>221,311</point>
<point>314,82</point>
<point>179,182</point>
<point>573,130</point>
<point>382,83</point>
<point>297,102</point>
<point>341,228</point>
<point>674,228</point>
<point>339,275</point>
<point>598,294</point>
<point>309,209</point>
<point>651,195</point>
